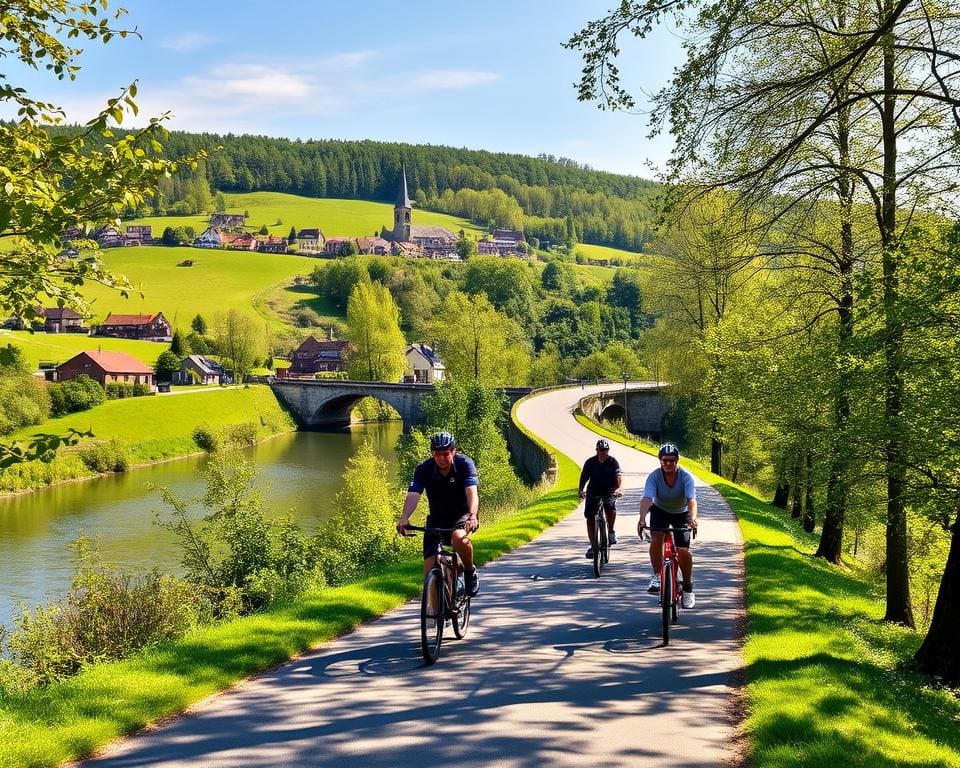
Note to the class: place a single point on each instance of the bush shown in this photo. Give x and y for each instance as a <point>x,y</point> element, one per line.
<point>118,390</point>
<point>140,389</point>
<point>242,560</point>
<point>107,614</point>
<point>79,394</point>
<point>105,456</point>
<point>244,433</point>
<point>205,438</point>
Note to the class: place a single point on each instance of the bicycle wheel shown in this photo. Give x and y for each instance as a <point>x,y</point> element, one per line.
<point>677,597</point>
<point>598,551</point>
<point>461,619</point>
<point>431,617</point>
<point>603,537</point>
<point>666,598</point>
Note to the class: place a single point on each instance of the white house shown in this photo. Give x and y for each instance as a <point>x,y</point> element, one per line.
<point>425,364</point>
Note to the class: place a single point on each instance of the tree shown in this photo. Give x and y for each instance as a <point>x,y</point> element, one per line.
<point>292,237</point>
<point>179,345</point>
<point>199,325</point>
<point>373,322</point>
<point>166,366</point>
<point>477,343</point>
<point>239,341</point>
<point>888,68</point>
<point>56,181</point>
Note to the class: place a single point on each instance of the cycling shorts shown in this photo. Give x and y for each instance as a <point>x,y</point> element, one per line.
<point>431,540</point>
<point>661,519</point>
<point>590,505</point>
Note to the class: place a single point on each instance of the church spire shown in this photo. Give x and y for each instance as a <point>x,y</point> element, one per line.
<point>403,199</point>
<point>401,211</point>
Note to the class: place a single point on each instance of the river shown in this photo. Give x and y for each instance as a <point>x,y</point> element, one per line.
<point>302,472</point>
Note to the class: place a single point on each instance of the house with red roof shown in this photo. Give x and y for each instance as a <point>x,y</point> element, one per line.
<point>106,367</point>
<point>314,356</point>
<point>145,327</point>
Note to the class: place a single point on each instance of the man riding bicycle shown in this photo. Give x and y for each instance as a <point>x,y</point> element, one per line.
<point>669,495</point>
<point>601,474</point>
<point>450,480</point>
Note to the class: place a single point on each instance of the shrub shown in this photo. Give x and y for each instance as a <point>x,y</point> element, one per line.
<point>105,456</point>
<point>140,389</point>
<point>244,433</point>
<point>79,394</point>
<point>205,438</point>
<point>359,538</point>
<point>107,614</point>
<point>237,556</point>
<point>118,390</point>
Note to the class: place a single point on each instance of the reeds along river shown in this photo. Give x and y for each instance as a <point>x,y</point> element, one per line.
<point>303,471</point>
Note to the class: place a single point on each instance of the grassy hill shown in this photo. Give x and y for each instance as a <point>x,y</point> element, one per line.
<point>59,347</point>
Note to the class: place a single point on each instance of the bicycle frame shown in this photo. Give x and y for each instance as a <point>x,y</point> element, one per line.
<point>670,580</point>
<point>449,603</point>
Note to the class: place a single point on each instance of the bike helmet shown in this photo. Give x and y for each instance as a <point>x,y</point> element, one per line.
<point>668,449</point>
<point>603,445</point>
<point>442,441</point>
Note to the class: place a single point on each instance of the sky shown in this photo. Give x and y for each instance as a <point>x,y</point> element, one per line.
<point>489,75</point>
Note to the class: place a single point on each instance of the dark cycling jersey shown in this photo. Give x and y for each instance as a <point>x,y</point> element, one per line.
<point>601,475</point>
<point>447,496</point>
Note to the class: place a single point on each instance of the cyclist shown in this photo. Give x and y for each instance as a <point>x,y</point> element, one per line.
<point>601,474</point>
<point>669,495</point>
<point>450,480</point>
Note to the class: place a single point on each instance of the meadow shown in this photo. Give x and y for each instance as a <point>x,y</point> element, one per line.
<point>60,347</point>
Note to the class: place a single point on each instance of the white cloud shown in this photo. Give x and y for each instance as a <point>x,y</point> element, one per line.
<point>345,60</point>
<point>451,79</point>
<point>185,42</point>
<point>267,85</point>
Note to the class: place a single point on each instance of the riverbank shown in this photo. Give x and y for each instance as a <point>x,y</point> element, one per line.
<point>145,430</point>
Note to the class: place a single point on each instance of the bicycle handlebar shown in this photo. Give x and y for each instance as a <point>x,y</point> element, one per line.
<point>681,529</point>
<point>431,529</point>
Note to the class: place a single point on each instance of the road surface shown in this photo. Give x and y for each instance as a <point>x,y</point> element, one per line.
<point>559,668</point>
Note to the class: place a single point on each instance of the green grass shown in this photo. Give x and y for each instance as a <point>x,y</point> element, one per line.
<point>161,427</point>
<point>60,347</point>
<point>71,719</point>
<point>828,682</point>
<point>598,252</point>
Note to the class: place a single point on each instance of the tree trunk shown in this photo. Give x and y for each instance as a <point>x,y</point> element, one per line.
<point>782,493</point>
<point>939,655</point>
<point>809,518</point>
<point>796,506</point>
<point>716,448</point>
<point>898,607</point>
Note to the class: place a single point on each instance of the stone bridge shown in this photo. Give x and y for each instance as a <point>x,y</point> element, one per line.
<point>326,403</point>
<point>642,406</point>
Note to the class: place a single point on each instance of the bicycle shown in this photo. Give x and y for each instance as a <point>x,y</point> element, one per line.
<point>439,605</point>
<point>601,552</point>
<point>670,590</point>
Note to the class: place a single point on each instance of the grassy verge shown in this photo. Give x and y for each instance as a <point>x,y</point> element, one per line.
<point>828,682</point>
<point>72,719</point>
<point>150,429</point>
<point>60,347</point>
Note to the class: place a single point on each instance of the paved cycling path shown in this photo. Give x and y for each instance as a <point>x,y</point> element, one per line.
<point>559,668</point>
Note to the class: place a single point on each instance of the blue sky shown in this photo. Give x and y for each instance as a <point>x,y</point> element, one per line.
<point>489,75</point>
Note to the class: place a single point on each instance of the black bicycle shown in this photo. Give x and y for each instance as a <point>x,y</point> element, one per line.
<point>601,552</point>
<point>444,597</point>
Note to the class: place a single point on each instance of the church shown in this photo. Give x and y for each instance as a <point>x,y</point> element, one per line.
<point>409,239</point>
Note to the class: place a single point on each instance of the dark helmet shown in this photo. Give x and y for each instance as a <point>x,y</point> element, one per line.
<point>603,445</point>
<point>442,441</point>
<point>668,449</point>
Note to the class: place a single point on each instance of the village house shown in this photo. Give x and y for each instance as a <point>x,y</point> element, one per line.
<point>333,245</point>
<point>138,234</point>
<point>503,242</point>
<point>108,237</point>
<point>144,327</point>
<point>61,320</point>
<point>315,356</point>
<point>423,365</point>
<point>196,369</point>
<point>211,237</point>
<point>373,245</point>
<point>228,221</point>
<point>106,367</point>
<point>271,244</point>
<point>244,241</point>
<point>310,240</point>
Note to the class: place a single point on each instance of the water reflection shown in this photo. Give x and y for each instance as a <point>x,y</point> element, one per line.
<point>302,472</point>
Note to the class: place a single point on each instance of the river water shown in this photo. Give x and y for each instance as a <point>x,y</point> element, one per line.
<point>301,471</point>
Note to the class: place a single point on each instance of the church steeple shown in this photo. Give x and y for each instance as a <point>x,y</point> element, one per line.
<point>402,210</point>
